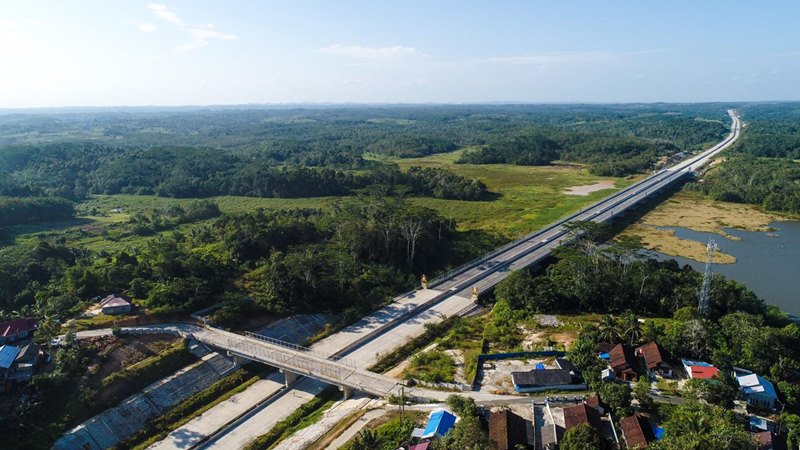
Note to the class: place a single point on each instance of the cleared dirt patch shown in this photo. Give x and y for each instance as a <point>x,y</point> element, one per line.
<point>587,189</point>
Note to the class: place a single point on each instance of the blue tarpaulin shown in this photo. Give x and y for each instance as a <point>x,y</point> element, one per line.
<point>539,366</point>
<point>658,432</point>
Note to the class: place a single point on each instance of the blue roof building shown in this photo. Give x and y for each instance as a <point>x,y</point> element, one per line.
<point>439,423</point>
<point>757,391</point>
<point>8,353</point>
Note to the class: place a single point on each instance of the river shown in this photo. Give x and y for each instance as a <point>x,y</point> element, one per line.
<point>767,262</point>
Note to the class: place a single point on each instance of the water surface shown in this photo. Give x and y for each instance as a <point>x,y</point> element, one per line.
<point>767,262</point>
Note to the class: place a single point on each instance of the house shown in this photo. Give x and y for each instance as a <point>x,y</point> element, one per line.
<point>594,402</point>
<point>114,304</point>
<point>506,430</point>
<point>8,357</point>
<point>699,369</point>
<point>18,329</point>
<point>623,362</point>
<point>656,359</point>
<point>757,391</point>
<point>24,364</point>
<point>582,413</point>
<point>768,440</point>
<point>565,377</point>
<point>439,423</point>
<point>636,431</point>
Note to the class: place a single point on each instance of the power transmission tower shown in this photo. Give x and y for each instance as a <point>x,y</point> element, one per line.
<point>705,290</point>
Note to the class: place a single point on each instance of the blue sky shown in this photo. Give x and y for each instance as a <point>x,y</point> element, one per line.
<point>201,52</point>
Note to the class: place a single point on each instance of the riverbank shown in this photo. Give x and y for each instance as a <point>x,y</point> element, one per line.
<point>699,213</point>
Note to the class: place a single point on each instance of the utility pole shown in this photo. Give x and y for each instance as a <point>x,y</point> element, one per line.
<point>705,290</point>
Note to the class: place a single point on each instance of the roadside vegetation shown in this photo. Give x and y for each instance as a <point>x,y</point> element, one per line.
<point>88,377</point>
<point>307,414</point>
<point>194,406</point>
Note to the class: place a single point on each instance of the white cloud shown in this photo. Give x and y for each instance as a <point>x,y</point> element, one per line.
<point>199,35</point>
<point>163,13</point>
<point>371,53</point>
<point>559,58</point>
<point>147,27</point>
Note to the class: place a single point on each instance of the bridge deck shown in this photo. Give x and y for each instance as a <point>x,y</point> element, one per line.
<point>295,359</point>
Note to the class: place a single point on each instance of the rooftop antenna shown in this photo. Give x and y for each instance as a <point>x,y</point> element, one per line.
<point>705,290</point>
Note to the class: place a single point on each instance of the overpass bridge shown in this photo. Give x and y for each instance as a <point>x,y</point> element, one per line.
<point>294,360</point>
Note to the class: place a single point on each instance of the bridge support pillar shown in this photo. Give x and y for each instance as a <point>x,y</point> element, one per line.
<point>347,392</point>
<point>289,377</point>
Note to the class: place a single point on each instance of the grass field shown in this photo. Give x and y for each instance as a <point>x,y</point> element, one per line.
<point>528,197</point>
<point>525,198</point>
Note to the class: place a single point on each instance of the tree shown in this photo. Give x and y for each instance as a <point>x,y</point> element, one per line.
<point>631,328</point>
<point>584,355</point>
<point>582,437</point>
<point>366,440</point>
<point>698,426</point>
<point>468,434</point>
<point>608,329</point>
<point>517,290</point>
<point>617,396</point>
<point>642,392</point>
<point>462,406</point>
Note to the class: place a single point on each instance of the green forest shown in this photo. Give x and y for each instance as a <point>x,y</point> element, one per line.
<point>762,168</point>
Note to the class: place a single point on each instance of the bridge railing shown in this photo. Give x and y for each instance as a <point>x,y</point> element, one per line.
<point>299,348</point>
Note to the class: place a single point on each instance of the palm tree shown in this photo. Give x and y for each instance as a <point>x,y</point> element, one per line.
<point>608,329</point>
<point>366,440</point>
<point>631,328</point>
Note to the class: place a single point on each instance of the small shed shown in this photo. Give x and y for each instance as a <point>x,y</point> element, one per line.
<point>114,304</point>
<point>439,423</point>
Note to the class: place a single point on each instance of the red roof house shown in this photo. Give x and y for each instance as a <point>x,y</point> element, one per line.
<point>583,413</point>
<point>699,369</point>
<point>623,362</point>
<point>656,359</point>
<point>17,329</point>
<point>637,431</point>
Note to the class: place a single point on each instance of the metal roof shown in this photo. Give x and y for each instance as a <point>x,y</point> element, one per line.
<point>440,423</point>
<point>8,353</point>
<point>754,384</point>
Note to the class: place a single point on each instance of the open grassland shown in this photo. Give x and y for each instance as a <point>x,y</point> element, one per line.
<point>528,197</point>
<point>699,213</point>
<point>524,198</point>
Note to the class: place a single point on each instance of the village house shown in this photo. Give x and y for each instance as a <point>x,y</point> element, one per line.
<point>656,359</point>
<point>622,361</point>
<point>114,304</point>
<point>699,369</point>
<point>507,430</point>
<point>564,377</point>
<point>757,391</point>
<point>17,330</point>
<point>636,431</point>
